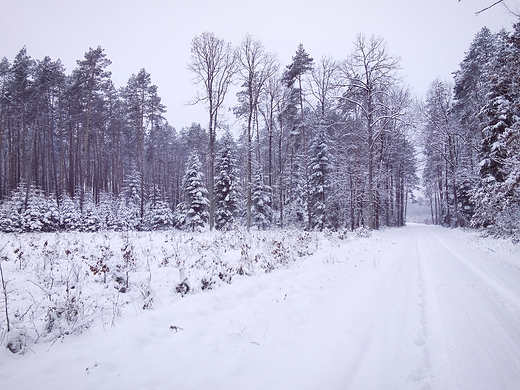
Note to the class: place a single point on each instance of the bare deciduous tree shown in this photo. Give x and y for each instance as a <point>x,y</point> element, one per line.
<point>368,75</point>
<point>322,85</point>
<point>256,66</point>
<point>213,61</point>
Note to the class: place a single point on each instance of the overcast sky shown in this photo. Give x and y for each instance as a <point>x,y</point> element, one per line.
<point>430,36</point>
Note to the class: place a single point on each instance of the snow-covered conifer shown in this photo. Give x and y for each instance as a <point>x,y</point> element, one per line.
<point>50,214</point>
<point>195,194</point>
<point>107,211</point>
<point>70,215</point>
<point>498,197</point>
<point>158,213</point>
<point>12,211</point>
<point>262,212</point>
<point>319,167</point>
<point>296,204</point>
<point>41,213</point>
<point>90,220</point>
<point>226,186</point>
<point>129,202</point>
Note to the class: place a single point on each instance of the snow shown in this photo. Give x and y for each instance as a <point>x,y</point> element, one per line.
<point>421,307</point>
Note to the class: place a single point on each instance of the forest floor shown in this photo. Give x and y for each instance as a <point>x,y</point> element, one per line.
<point>421,307</point>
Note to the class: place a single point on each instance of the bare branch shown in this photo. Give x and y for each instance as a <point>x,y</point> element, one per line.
<point>485,9</point>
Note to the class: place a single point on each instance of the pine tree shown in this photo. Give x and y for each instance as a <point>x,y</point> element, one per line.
<point>145,110</point>
<point>295,118</point>
<point>226,186</point>
<point>196,195</point>
<point>20,90</point>
<point>90,82</point>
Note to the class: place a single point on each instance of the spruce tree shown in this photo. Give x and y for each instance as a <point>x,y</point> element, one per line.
<point>195,194</point>
<point>129,209</point>
<point>262,212</point>
<point>472,84</point>
<point>90,219</point>
<point>319,168</point>
<point>498,197</point>
<point>158,214</point>
<point>226,185</point>
<point>32,216</point>
<point>12,210</point>
<point>70,215</point>
<point>50,213</point>
<point>107,211</point>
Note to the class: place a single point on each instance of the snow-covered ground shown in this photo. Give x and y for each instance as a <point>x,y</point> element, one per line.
<point>420,307</point>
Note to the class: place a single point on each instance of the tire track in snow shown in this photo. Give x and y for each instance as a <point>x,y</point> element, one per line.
<point>431,324</point>
<point>396,355</point>
<point>509,300</point>
<point>476,336</point>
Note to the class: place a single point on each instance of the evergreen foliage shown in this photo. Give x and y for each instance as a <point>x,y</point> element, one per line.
<point>159,216</point>
<point>226,186</point>
<point>70,215</point>
<point>319,170</point>
<point>129,208</point>
<point>324,145</point>
<point>195,195</point>
<point>262,211</point>
<point>497,198</point>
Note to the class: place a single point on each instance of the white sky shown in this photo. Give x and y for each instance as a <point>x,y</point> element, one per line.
<point>430,36</point>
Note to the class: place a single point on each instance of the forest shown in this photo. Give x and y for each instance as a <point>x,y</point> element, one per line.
<point>323,144</point>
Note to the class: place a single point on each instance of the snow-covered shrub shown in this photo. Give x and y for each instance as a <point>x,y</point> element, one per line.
<point>362,232</point>
<point>63,283</point>
<point>16,341</point>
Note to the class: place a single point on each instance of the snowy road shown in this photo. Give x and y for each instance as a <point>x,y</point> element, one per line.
<point>447,316</point>
<point>415,308</point>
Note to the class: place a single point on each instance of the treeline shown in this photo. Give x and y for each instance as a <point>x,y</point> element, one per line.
<point>472,141</point>
<point>323,144</point>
